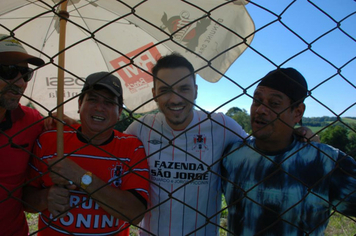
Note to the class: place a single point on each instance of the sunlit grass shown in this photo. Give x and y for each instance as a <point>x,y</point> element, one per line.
<point>339,225</point>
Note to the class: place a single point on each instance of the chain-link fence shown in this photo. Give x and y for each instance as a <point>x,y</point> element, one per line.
<point>182,182</point>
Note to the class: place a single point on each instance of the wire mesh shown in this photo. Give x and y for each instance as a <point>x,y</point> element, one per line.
<point>318,40</point>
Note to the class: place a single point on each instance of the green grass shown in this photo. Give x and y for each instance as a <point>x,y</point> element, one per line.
<point>349,120</point>
<point>339,225</point>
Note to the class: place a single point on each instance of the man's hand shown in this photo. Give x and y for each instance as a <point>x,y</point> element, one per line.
<point>64,171</point>
<point>51,123</point>
<point>58,201</point>
<point>304,133</point>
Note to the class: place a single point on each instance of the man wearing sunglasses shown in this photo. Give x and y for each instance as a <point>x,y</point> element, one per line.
<point>19,128</point>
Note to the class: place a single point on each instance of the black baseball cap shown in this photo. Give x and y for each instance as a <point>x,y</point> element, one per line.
<point>288,81</point>
<point>106,80</point>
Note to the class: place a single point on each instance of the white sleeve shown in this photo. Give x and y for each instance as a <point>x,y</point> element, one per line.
<point>237,132</point>
<point>133,128</point>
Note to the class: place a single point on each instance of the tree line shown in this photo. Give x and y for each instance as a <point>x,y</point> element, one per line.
<point>333,130</point>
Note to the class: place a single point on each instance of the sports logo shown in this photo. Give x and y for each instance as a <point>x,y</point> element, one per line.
<point>155,142</point>
<point>200,142</point>
<point>184,29</point>
<point>116,173</point>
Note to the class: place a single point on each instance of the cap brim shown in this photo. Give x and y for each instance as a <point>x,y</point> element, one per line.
<point>12,58</point>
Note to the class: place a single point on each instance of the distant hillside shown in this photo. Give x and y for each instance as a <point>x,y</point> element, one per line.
<point>318,123</point>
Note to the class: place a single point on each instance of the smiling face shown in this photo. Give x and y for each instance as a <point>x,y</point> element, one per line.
<point>99,112</point>
<point>178,109</point>
<point>272,119</point>
<point>11,91</point>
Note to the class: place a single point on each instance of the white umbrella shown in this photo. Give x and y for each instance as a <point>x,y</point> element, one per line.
<point>126,37</point>
<point>104,35</point>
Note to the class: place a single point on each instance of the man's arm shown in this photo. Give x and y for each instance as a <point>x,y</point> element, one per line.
<point>119,203</point>
<point>51,121</point>
<point>304,134</point>
<point>55,198</point>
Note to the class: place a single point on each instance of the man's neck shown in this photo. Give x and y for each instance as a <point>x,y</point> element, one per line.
<point>96,139</point>
<point>2,113</point>
<point>273,145</point>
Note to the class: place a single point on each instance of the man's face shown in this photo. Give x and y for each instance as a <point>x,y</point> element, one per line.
<point>98,111</point>
<point>11,91</point>
<point>178,109</point>
<point>272,119</point>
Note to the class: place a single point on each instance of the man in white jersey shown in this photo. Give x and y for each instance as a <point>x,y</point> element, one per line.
<point>183,147</point>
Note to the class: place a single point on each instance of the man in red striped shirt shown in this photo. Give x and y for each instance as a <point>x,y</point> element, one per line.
<point>100,186</point>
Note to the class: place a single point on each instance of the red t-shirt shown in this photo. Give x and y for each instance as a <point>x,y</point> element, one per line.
<point>18,132</point>
<point>117,162</point>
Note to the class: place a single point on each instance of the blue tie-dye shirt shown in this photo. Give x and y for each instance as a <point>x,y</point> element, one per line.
<point>287,193</point>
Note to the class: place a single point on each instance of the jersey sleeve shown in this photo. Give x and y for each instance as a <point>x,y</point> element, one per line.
<point>234,131</point>
<point>36,166</point>
<point>136,176</point>
<point>133,128</point>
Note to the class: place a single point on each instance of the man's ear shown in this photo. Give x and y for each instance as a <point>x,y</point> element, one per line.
<point>79,105</point>
<point>120,111</point>
<point>196,91</point>
<point>299,112</point>
<point>154,94</point>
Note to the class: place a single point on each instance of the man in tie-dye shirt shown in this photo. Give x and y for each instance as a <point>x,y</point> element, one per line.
<point>276,185</point>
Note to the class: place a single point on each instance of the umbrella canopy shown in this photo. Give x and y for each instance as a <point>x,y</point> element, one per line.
<point>126,38</point>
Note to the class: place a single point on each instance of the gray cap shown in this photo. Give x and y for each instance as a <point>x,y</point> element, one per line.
<point>106,80</point>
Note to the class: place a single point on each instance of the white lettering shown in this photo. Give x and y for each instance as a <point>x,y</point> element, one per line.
<point>74,201</point>
<point>128,69</point>
<point>96,221</point>
<point>69,221</point>
<point>107,221</point>
<point>87,204</point>
<point>81,220</point>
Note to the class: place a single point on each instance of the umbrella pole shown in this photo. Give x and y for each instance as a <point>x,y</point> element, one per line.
<point>60,85</point>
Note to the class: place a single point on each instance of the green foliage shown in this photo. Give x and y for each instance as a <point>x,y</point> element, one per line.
<point>241,117</point>
<point>125,120</point>
<point>32,221</point>
<point>335,136</point>
<point>342,137</point>
<point>233,111</point>
<point>340,225</point>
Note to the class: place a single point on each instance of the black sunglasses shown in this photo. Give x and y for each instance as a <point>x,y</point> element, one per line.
<point>10,72</point>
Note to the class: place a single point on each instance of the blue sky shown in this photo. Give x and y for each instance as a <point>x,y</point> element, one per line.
<point>319,64</point>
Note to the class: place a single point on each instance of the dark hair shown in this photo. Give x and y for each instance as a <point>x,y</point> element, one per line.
<point>174,60</point>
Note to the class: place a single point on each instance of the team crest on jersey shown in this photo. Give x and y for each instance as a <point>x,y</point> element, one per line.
<point>116,173</point>
<point>200,142</point>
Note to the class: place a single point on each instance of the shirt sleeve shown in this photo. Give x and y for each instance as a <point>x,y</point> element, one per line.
<point>235,131</point>
<point>343,184</point>
<point>36,167</point>
<point>136,176</point>
<point>133,128</point>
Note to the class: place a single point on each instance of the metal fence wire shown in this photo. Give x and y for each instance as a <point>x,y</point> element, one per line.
<point>316,39</point>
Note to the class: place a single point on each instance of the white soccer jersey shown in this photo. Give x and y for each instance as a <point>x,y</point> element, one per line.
<point>185,193</point>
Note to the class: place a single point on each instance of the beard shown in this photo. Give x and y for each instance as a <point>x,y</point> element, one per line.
<point>8,102</point>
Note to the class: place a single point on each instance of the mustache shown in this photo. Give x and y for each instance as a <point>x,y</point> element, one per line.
<point>261,119</point>
<point>12,88</point>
